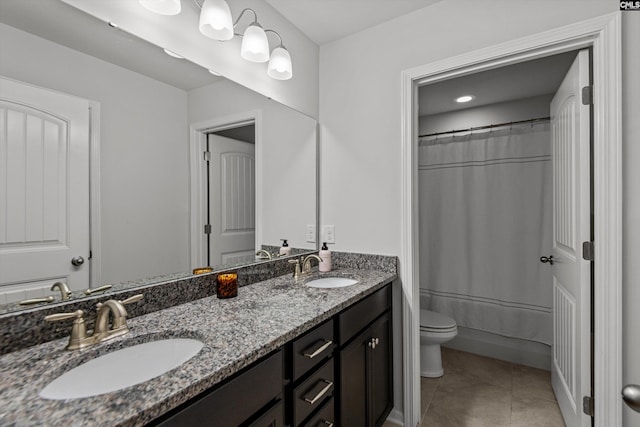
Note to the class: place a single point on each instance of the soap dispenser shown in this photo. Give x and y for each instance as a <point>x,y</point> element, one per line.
<point>325,254</point>
<point>285,249</point>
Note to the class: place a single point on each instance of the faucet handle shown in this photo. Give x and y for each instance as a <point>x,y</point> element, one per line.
<point>64,316</point>
<point>132,299</point>
<point>96,290</point>
<point>297,271</point>
<point>78,338</point>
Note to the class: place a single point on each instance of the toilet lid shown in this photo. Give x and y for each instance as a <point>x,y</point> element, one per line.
<point>433,320</point>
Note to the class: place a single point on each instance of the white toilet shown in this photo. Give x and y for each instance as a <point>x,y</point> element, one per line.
<point>435,329</point>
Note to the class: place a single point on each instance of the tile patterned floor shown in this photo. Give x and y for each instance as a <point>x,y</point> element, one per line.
<point>477,391</point>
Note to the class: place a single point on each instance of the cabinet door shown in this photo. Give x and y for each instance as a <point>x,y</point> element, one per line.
<point>353,382</point>
<point>273,418</point>
<point>381,375</point>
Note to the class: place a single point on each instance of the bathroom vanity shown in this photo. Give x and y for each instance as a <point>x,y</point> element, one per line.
<point>281,353</point>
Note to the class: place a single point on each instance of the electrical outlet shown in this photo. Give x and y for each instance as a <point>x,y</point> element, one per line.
<point>329,234</point>
<point>311,233</point>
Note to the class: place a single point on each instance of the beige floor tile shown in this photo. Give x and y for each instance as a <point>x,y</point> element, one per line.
<point>462,401</point>
<point>535,412</point>
<point>428,387</point>
<point>492,371</point>
<point>532,382</point>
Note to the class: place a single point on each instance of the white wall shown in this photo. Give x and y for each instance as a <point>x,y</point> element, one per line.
<point>360,102</point>
<point>289,158</point>
<point>631,201</point>
<point>181,35</point>
<point>502,112</point>
<point>143,153</point>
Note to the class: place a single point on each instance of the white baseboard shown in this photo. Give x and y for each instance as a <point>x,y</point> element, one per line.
<point>503,348</point>
<point>396,416</point>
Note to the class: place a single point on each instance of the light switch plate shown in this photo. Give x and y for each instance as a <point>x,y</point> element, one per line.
<point>311,233</point>
<point>329,234</point>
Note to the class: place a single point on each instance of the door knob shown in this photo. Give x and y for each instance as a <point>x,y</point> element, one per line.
<point>77,261</point>
<point>631,396</point>
<point>549,259</point>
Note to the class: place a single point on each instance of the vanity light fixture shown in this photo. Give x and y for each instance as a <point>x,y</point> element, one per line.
<point>465,98</point>
<point>162,7</point>
<point>255,46</point>
<point>216,22</point>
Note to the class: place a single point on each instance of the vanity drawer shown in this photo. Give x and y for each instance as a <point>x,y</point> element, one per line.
<point>360,315</point>
<point>235,401</point>
<point>312,348</point>
<point>313,392</point>
<point>324,418</point>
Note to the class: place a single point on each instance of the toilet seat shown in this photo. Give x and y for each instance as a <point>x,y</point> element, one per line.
<point>430,321</point>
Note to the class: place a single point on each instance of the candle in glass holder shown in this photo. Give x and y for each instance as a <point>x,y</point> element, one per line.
<point>227,285</point>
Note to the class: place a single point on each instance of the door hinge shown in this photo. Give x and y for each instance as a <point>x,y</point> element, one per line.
<point>587,95</point>
<point>207,156</point>
<point>207,229</point>
<point>588,405</point>
<point>588,251</point>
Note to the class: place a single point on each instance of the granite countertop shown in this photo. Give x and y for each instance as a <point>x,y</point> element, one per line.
<point>236,332</point>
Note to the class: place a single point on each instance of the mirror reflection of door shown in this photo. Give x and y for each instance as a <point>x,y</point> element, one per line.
<point>44,191</point>
<point>231,196</point>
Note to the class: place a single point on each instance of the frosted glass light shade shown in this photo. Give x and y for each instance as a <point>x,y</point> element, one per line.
<point>215,20</point>
<point>280,67</point>
<point>162,7</point>
<point>255,47</point>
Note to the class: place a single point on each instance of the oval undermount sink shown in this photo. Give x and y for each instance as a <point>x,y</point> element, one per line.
<point>331,282</point>
<point>122,368</point>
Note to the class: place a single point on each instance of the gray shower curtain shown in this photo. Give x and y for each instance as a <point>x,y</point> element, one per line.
<point>485,220</point>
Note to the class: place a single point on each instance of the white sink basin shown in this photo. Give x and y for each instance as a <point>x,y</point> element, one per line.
<point>331,282</point>
<point>121,369</point>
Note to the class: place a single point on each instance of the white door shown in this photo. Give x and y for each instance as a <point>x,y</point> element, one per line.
<point>571,366</point>
<point>232,200</point>
<point>44,190</point>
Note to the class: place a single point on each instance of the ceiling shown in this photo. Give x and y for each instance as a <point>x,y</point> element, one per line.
<point>524,80</point>
<point>324,21</point>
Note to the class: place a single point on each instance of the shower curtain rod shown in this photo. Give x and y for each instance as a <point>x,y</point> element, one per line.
<point>451,132</point>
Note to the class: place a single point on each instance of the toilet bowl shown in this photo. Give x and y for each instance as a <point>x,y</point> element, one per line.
<point>435,329</point>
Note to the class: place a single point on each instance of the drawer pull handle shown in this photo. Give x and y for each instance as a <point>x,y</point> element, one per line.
<point>319,350</point>
<point>321,393</point>
<point>327,423</point>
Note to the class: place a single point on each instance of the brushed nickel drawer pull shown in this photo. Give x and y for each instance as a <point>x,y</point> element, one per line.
<point>320,393</point>
<point>319,350</point>
<point>327,423</point>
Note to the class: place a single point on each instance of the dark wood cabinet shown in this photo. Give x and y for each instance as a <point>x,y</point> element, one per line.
<point>341,370</point>
<point>238,401</point>
<point>366,381</point>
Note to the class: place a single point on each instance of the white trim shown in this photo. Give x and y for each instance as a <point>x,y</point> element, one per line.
<point>197,143</point>
<point>395,416</point>
<point>602,34</point>
<point>95,217</point>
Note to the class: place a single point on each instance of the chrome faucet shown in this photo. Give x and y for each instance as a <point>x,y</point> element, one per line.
<point>303,265</point>
<point>65,292</point>
<point>262,254</point>
<point>104,330</point>
<point>306,263</point>
<point>118,318</point>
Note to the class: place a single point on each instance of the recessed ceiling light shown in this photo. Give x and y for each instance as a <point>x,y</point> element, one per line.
<point>175,55</point>
<point>214,73</point>
<point>465,98</point>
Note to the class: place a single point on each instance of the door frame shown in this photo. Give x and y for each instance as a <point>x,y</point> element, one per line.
<point>197,143</point>
<point>603,35</point>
